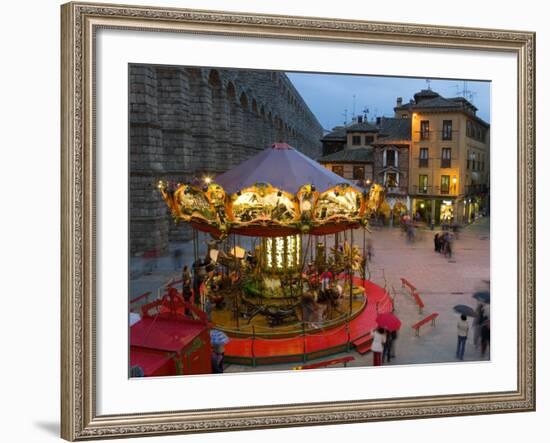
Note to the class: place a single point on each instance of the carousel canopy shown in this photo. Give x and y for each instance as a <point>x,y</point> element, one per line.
<point>278,192</point>
<point>281,166</point>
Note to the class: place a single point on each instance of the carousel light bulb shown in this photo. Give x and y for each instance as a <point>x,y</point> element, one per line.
<point>269,249</point>
<point>207,180</point>
<point>279,251</point>
<point>298,249</point>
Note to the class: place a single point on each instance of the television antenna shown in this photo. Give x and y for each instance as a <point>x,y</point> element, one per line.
<point>345,115</point>
<point>428,82</point>
<point>465,92</point>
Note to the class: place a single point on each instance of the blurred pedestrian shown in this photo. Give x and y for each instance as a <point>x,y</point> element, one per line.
<point>378,341</point>
<point>462,330</point>
<point>448,245</point>
<point>389,346</point>
<point>436,242</point>
<point>217,359</point>
<point>478,320</point>
<point>369,249</point>
<point>485,334</point>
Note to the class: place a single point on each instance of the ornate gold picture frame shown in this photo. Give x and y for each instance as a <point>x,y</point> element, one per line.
<point>80,22</point>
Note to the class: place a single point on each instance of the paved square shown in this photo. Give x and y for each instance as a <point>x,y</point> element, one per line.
<point>441,282</point>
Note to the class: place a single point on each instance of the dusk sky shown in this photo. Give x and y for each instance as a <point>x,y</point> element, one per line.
<point>329,95</point>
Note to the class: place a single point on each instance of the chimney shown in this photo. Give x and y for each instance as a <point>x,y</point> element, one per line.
<point>378,120</point>
<point>360,119</point>
<point>399,101</point>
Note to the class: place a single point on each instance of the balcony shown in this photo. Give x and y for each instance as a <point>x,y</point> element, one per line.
<point>423,162</point>
<point>451,190</point>
<point>445,162</point>
<point>425,136</point>
<point>433,135</point>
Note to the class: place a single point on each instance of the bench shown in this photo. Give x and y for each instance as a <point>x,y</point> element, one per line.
<point>405,282</point>
<point>326,363</point>
<point>430,318</point>
<point>363,344</point>
<point>418,301</point>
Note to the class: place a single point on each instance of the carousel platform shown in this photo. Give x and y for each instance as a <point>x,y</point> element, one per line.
<point>312,344</point>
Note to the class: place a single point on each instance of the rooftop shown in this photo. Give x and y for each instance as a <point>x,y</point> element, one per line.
<point>428,99</point>
<point>351,155</point>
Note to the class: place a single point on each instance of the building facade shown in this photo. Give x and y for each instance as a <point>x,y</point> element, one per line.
<point>190,122</point>
<point>449,158</point>
<point>372,152</point>
<point>432,157</point>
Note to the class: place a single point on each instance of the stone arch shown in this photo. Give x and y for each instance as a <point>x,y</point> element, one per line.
<point>243,100</point>
<point>214,79</point>
<point>231,91</point>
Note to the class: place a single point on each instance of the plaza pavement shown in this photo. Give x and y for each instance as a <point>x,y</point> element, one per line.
<point>441,283</point>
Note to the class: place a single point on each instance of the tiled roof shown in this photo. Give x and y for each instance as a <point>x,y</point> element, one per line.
<point>394,129</point>
<point>428,99</point>
<point>352,155</point>
<point>337,133</point>
<point>362,127</point>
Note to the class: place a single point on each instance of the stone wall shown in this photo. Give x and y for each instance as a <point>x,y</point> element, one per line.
<point>188,122</point>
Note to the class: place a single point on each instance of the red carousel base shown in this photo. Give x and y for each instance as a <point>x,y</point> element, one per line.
<point>262,351</point>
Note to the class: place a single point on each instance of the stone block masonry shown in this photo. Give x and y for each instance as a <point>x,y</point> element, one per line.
<point>186,122</point>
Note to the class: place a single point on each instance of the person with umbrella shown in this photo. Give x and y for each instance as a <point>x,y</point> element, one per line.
<point>390,324</point>
<point>379,338</point>
<point>218,340</point>
<point>462,330</point>
<point>483,331</point>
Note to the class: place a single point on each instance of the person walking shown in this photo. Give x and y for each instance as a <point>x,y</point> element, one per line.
<point>369,249</point>
<point>462,330</point>
<point>378,341</point>
<point>436,242</point>
<point>478,320</point>
<point>485,334</point>
<point>389,346</point>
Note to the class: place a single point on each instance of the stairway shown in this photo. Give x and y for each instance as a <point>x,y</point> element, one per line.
<point>363,344</point>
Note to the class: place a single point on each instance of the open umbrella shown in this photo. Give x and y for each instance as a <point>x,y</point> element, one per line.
<point>483,296</point>
<point>466,310</point>
<point>388,321</point>
<point>218,338</point>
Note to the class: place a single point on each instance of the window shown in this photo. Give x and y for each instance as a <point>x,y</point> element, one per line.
<point>391,179</point>
<point>424,130</point>
<point>445,181</point>
<point>423,160</point>
<point>369,139</point>
<point>338,169</point>
<point>445,157</point>
<point>391,158</point>
<point>358,172</point>
<point>468,161</point>
<point>356,140</point>
<point>447,133</point>
<point>469,129</point>
<point>423,184</point>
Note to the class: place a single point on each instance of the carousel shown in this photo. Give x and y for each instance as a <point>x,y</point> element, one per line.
<point>285,255</point>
